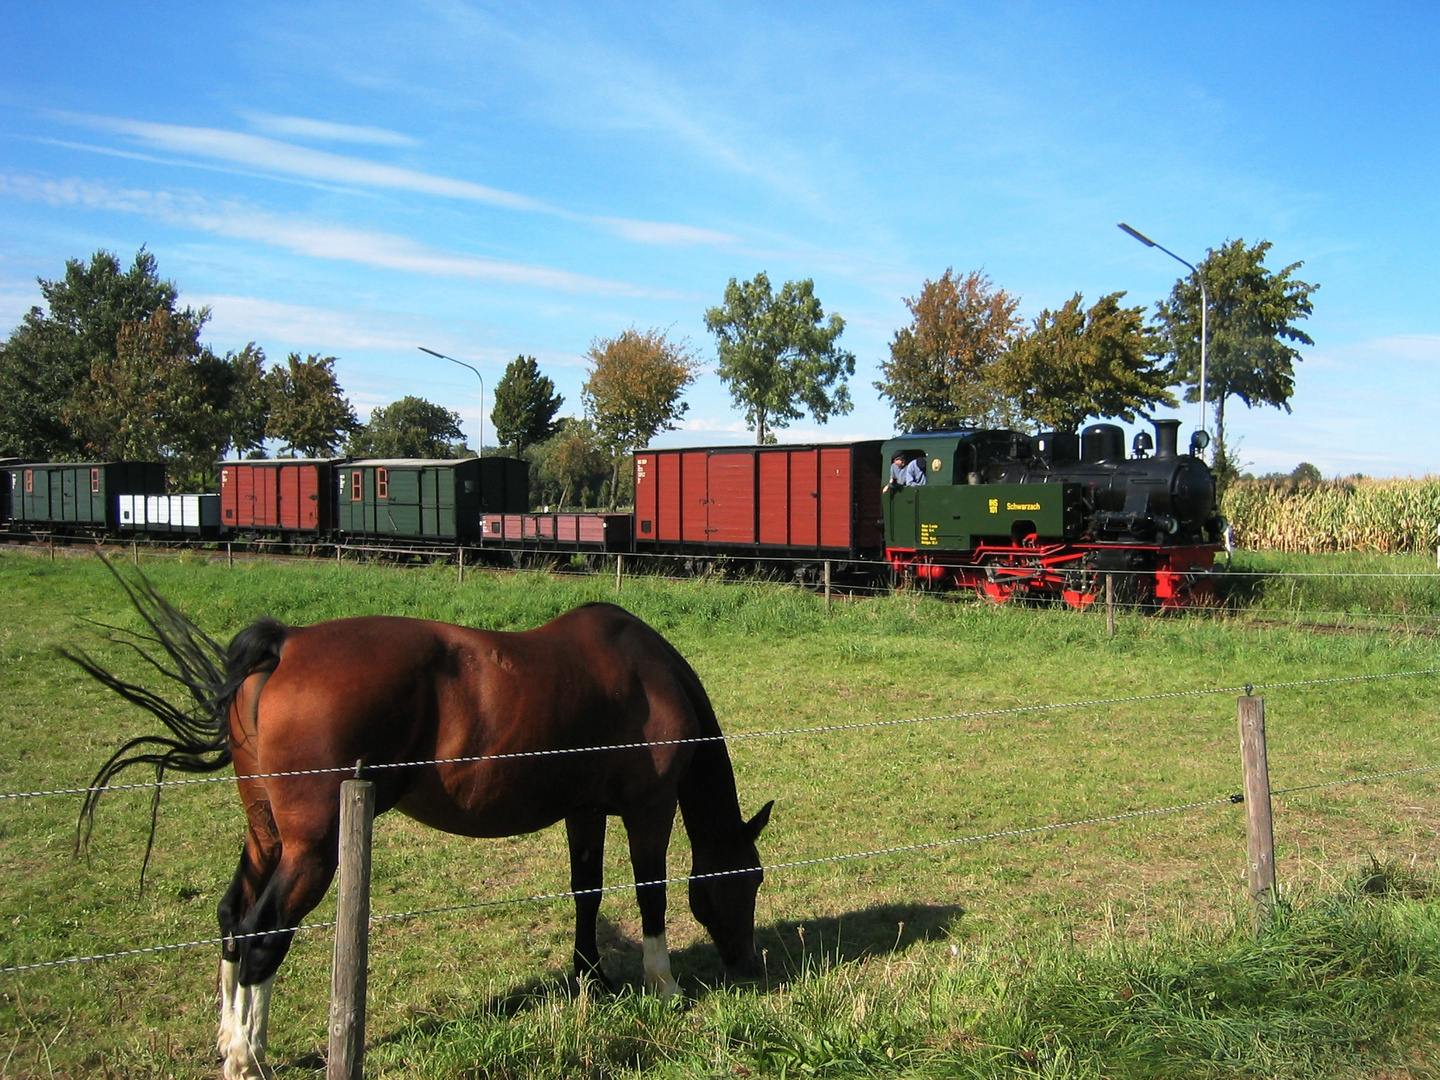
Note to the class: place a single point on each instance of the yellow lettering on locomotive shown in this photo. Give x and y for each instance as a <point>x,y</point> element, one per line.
<point>1022,506</point>
<point>929,535</point>
<point>994,506</point>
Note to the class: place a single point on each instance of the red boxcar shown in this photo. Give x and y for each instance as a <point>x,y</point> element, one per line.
<point>822,499</point>
<point>286,494</point>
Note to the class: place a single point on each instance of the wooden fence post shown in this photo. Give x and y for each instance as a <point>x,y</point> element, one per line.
<point>1259,825</point>
<point>339,553</point>
<point>460,567</point>
<point>229,554</point>
<point>352,933</point>
<point>619,570</point>
<point>1110,604</point>
<point>827,586</point>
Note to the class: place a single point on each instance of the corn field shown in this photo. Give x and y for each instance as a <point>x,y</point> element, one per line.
<point>1385,516</point>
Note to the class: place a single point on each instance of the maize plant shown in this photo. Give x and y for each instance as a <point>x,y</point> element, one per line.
<point>1386,516</point>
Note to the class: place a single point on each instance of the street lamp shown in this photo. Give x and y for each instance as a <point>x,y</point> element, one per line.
<point>1204,308</point>
<point>480,447</point>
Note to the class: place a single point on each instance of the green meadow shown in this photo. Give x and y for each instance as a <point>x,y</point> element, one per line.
<point>1120,949</point>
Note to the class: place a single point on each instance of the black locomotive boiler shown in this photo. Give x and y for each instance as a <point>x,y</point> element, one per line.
<point>1013,515</point>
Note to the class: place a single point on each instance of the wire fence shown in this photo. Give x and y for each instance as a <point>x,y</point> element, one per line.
<point>793,864</point>
<point>859,578</point>
<point>1002,834</point>
<point>447,551</point>
<point>359,768</point>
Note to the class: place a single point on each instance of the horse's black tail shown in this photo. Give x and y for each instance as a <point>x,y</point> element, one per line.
<point>199,738</point>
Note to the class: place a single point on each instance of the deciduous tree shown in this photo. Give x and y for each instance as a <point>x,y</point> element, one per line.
<point>249,407</point>
<point>409,428</point>
<point>634,389</point>
<point>941,371</point>
<point>571,467</point>
<point>162,397</point>
<point>525,405</point>
<point>1252,331</point>
<point>778,354</point>
<point>309,414</point>
<point>1074,363</point>
<point>46,361</point>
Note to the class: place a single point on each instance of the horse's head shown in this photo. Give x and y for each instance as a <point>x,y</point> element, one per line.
<point>725,904</point>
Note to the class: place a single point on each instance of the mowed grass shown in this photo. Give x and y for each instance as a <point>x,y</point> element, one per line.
<point>1108,949</point>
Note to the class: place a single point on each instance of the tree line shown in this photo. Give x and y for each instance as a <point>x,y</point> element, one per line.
<point>112,368</point>
<point>967,359</point>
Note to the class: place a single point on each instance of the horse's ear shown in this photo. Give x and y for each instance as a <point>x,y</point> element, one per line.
<point>758,822</point>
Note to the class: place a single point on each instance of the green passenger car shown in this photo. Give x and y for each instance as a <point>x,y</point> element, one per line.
<point>84,494</point>
<point>427,498</point>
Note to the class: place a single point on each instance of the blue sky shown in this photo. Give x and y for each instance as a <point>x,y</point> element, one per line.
<point>488,180</point>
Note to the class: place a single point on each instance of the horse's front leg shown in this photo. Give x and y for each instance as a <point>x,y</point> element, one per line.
<point>586,832</point>
<point>244,1009</point>
<point>262,938</point>
<point>649,834</point>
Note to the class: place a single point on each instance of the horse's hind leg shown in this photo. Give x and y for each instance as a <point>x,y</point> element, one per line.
<point>586,834</point>
<point>649,834</point>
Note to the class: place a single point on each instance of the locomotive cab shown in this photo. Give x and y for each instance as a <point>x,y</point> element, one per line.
<point>961,505</point>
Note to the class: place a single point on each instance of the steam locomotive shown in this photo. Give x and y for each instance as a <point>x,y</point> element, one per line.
<point>1012,515</point>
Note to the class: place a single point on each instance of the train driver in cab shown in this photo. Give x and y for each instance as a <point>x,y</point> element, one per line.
<point>906,473</point>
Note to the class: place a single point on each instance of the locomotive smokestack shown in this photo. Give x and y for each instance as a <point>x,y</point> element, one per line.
<point>1167,438</point>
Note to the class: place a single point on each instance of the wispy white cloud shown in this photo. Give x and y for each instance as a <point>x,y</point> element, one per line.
<point>15,302</point>
<point>707,423</point>
<point>1409,348</point>
<point>665,233</point>
<point>182,163</point>
<point>621,88</point>
<point>257,153</point>
<point>300,127</point>
<point>306,328</point>
<point>303,236</point>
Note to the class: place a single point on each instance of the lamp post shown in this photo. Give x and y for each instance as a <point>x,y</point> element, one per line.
<point>480,446</point>
<point>1204,307</point>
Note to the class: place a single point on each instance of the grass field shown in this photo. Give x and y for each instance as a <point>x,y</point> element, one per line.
<point>1105,950</point>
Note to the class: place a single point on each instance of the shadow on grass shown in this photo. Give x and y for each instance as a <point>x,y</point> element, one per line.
<point>791,949</point>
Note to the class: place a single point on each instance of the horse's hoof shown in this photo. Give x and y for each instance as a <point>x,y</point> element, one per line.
<point>668,989</point>
<point>745,971</point>
<point>595,981</point>
<point>246,1067</point>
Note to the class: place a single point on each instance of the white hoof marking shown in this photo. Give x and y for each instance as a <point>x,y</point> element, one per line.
<point>248,1018</point>
<point>657,967</point>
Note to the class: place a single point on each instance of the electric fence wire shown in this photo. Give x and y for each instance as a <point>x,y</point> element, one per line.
<point>260,548</point>
<point>743,736</point>
<point>1354,780</point>
<point>929,845</point>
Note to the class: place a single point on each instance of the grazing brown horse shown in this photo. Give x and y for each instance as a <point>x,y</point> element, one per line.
<point>382,690</point>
